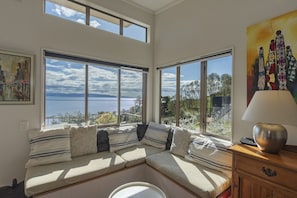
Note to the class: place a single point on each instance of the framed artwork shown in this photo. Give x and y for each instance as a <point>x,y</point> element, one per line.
<point>16,78</point>
<point>272,54</point>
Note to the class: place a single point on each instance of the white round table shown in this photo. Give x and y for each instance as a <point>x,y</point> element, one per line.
<point>137,190</point>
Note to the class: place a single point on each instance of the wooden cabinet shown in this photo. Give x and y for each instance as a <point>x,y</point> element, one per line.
<point>258,174</point>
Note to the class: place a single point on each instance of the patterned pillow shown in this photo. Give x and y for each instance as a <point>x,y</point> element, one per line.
<point>180,142</point>
<point>48,146</point>
<point>83,140</point>
<point>211,152</point>
<point>156,135</point>
<point>122,137</point>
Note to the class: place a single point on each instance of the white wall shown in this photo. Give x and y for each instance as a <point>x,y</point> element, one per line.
<point>194,28</point>
<point>24,28</point>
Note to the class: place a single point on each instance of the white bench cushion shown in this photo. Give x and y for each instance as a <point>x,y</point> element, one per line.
<point>202,181</point>
<point>137,154</point>
<point>40,179</point>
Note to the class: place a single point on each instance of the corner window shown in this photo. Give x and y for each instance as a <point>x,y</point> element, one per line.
<point>196,95</point>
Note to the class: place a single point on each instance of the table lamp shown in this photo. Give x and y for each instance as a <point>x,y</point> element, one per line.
<point>270,109</point>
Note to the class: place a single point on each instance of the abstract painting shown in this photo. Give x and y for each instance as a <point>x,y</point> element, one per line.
<point>16,78</point>
<point>272,54</point>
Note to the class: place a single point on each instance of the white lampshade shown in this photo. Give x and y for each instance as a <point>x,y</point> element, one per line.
<point>272,106</point>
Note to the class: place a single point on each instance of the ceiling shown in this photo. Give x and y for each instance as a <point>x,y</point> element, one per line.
<point>154,6</point>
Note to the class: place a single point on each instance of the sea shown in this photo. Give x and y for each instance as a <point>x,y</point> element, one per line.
<point>66,104</point>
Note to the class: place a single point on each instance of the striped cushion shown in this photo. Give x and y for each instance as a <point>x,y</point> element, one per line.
<point>211,152</point>
<point>48,146</point>
<point>122,137</point>
<point>156,135</point>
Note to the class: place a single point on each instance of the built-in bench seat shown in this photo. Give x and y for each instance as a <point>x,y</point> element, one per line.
<point>197,179</point>
<point>44,178</point>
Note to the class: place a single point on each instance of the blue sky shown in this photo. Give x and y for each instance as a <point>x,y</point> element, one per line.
<point>191,72</point>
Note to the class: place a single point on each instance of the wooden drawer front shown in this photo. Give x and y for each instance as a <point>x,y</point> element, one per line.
<point>267,171</point>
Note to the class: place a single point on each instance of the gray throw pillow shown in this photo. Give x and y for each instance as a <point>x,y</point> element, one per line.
<point>83,140</point>
<point>180,141</point>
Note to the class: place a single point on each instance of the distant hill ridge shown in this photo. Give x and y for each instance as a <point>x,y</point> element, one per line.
<point>78,95</point>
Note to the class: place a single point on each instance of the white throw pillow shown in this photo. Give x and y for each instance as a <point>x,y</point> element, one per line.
<point>156,135</point>
<point>122,137</point>
<point>211,152</point>
<point>180,141</point>
<point>48,146</point>
<point>83,140</point>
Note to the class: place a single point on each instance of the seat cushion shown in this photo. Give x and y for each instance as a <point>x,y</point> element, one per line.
<point>40,179</point>
<point>201,180</point>
<point>137,154</point>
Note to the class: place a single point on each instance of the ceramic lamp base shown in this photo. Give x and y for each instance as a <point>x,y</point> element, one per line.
<point>270,138</point>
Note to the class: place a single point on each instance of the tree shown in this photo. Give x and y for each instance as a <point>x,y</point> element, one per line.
<point>106,118</point>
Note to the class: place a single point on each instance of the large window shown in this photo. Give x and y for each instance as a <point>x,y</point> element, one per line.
<point>196,95</point>
<point>78,12</point>
<point>81,91</point>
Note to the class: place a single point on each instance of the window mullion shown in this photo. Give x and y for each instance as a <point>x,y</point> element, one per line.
<point>119,97</point>
<point>121,27</point>
<point>177,109</point>
<point>86,93</point>
<point>203,97</point>
<point>144,95</point>
<point>88,16</point>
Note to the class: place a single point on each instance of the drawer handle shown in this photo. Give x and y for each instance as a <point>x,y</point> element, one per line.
<point>269,172</point>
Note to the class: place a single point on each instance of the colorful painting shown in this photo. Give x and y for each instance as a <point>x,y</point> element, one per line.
<point>16,78</point>
<point>271,55</point>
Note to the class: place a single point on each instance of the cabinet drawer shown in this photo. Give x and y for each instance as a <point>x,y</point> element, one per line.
<point>267,171</point>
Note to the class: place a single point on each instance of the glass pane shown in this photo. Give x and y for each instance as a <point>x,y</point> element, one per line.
<point>66,10</point>
<point>105,22</point>
<point>131,96</point>
<point>103,95</point>
<point>64,92</point>
<point>219,79</point>
<point>134,31</point>
<point>190,96</point>
<point>168,96</point>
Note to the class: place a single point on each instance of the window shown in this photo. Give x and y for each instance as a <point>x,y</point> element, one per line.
<point>104,21</point>
<point>93,17</point>
<point>134,31</point>
<point>66,10</point>
<point>80,91</point>
<point>197,95</point>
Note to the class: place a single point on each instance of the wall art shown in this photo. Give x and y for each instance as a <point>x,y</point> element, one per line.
<point>271,55</point>
<point>16,78</point>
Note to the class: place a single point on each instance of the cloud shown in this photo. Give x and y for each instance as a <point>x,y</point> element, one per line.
<point>95,23</point>
<point>67,77</point>
<point>63,11</point>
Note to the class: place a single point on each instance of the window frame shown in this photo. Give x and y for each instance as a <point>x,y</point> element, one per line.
<point>96,8</point>
<point>203,89</point>
<point>88,62</point>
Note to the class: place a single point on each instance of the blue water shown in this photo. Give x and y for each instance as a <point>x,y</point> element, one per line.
<point>58,104</point>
